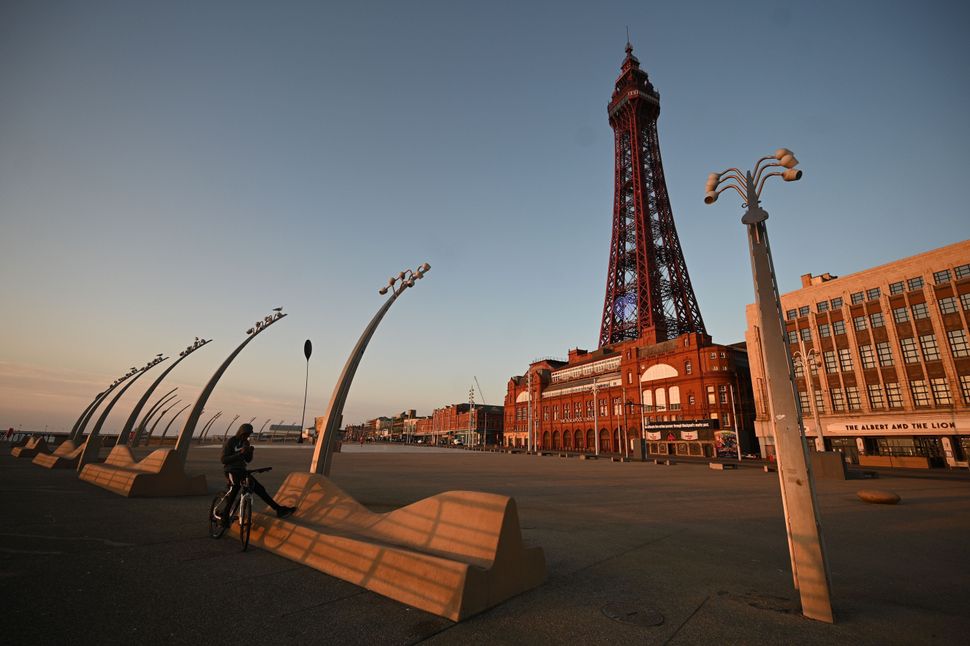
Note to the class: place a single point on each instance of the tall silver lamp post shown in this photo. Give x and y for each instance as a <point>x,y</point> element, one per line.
<point>307,351</point>
<point>810,569</point>
<point>323,450</point>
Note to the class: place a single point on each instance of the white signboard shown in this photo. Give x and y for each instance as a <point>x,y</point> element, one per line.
<point>882,425</point>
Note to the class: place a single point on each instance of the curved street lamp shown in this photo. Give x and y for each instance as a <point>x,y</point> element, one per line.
<point>208,425</point>
<point>323,451</point>
<point>808,363</point>
<point>174,417</point>
<point>93,443</point>
<point>185,436</point>
<point>158,421</point>
<point>809,566</point>
<point>130,424</point>
<point>226,434</point>
<point>140,430</point>
<point>78,431</point>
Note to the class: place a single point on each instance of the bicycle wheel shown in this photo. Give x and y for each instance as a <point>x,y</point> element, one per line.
<point>216,528</point>
<point>245,520</point>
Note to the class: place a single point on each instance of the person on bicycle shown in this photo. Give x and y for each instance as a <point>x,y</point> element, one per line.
<point>237,452</point>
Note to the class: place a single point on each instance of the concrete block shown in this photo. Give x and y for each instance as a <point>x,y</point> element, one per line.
<point>878,496</point>
<point>454,554</point>
<point>828,465</point>
<point>160,474</point>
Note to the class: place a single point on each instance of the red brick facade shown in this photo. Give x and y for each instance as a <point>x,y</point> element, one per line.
<point>681,397</point>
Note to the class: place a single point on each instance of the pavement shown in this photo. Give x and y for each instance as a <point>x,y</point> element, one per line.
<point>637,553</point>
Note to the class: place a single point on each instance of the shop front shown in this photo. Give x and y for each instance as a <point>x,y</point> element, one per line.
<point>687,438</point>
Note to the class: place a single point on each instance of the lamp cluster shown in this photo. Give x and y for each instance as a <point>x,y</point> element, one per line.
<point>749,185</point>
<point>267,321</point>
<point>404,280</point>
<point>198,343</point>
<point>134,371</point>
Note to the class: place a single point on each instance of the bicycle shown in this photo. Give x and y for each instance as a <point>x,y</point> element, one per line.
<point>242,509</point>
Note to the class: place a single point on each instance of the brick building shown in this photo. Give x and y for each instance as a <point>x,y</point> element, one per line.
<point>892,380</point>
<point>451,423</point>
<point>686,396</point>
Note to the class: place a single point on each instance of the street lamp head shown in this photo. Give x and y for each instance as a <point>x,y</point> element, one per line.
<point>710,197</point>
<point>781,152</point>
<point>382,290</point>
<point>788,161</point>
<point>425,268</point>
<point>712,181</point>
<point>792,175</point>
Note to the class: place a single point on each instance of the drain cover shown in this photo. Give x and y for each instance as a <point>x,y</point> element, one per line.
<point>633,614</point>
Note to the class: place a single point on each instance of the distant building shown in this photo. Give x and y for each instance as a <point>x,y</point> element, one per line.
<point>687,396</point>
<point>451,423</point>
<point>893,381</point>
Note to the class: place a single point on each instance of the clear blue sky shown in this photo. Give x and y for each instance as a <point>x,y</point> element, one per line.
<point>177,169</point>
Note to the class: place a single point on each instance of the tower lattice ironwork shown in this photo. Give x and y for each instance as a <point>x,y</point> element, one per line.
<point>648,291</point>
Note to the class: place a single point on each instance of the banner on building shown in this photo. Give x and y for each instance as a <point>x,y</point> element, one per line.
<point>683,425</point>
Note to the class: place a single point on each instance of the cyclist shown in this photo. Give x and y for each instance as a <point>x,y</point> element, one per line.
<point>237,452</point>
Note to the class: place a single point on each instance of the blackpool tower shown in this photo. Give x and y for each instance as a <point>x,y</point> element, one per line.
<point>648,291</point>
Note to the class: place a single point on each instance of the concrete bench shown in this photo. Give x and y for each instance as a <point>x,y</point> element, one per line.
<point>621,458</point>
<point>159,474</point>
<point>721,466</point>
<point>665,462</point>
<point>454,554</point>
<point>31,449</point>
<point>588,456</point>
<point>65,456</point>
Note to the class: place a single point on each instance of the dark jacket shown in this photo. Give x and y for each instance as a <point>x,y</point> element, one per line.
<point>236,454</point>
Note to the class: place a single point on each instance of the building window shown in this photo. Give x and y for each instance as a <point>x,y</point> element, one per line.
<point>838,399</point>
<point>931,351</point>
<point>791,315</point>
<point>845,359</point>
<point>868,357</point>
<point>894,395</point>
<point>722,392</point>
<point>803,310</point>
<point>914,283</point>
<point>819,402</point>
<point>921,394</point>
<point>725,420</point>
<point>852,397</point>
<point>565,411</point>
<point>545,413</point>
<point>803,402</point>
<point>589,409</point>
<point>958,343</point>
<point>875,396</point>
<point>806,335</point>
<point>578,410</point>
<point>897,288</point>
<point>838,327</point>
<point>941,392</point>
<point>629,377</point>
<point>965,301</point>
<point>824,331</point>
<point>965,388</point>
<point>710,396</point>
<point>822,306</point>
<point>962,271</point>
<point>688,367</point>
<point>885,354</point>
<point>836,303</point>
<point>603,407</point>
<point>876,319</point>
<point>900,314</point>
<point>691,400</point>
<point>940,277</point>
<point>617,408</point>
<point>859,323</point>
<point>799,369</point>
<point>555,413</point>
<point>908,346</point>
<point>920,311</point>
<point>872,294</point>
<point>831,366</point>
<point>792,337</point>
<point>857,298</point>
<point>948,305</point>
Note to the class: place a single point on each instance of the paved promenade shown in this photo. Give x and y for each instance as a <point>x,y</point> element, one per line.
<point>685,554</point>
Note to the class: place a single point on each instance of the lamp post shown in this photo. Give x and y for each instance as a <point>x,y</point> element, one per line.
<point>184,439</point>
<point>307,351</point>
<point>226,434</point>
<point>323,450</point>
<point>471,409</point>
<point>208,425</point>
<point>136,436</point>
<point>807,362</point>
<point>810,569</point>
<point>151,432</point>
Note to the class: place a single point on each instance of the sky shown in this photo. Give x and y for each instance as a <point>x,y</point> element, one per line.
<point>172,170</point>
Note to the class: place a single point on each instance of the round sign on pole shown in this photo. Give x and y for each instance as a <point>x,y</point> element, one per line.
<point>307,349</point>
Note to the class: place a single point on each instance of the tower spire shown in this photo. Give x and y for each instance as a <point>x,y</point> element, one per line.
<point>648,292</point>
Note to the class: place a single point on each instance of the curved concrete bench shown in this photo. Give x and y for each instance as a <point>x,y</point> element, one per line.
<point>31,449</point>
<point>454,554</point>
<point>65,456</point>
<point>159,474</point>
